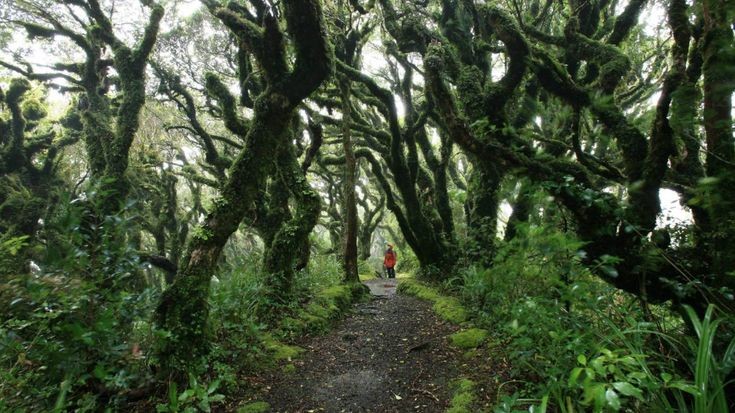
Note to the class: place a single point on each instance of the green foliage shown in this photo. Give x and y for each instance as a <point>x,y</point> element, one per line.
<point>9,248</point>
<point>198,397</point>
<point>236,297</point>
<point>407,261</point>
<point>70,328</point>
<point>709,371</point>
<point>580,345</point>
<point>244,340</point>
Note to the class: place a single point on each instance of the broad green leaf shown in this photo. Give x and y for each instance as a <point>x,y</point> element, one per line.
<point>628,389</point>
<point>574,376</point>
<point>582,359</point>
<point>612,398</point>
<point>685,387</point>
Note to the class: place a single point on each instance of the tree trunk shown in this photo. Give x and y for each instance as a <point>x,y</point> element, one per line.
<point>483,211</point>
<point>718,92</point>
<point>183,310</point>
<point>521,211</point>
<point>287,246</point>
<point>349,258</point>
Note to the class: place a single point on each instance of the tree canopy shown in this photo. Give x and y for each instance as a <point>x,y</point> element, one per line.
<point>150,149</point>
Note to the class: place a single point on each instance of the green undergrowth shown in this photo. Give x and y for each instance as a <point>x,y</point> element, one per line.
<point>316,316</point>
<point>574,343</point>
<point>448,308</point>
<point>245,345</point>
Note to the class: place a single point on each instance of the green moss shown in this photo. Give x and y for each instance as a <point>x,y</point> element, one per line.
<point>451,310</point>
<point>314,317</point>
<point>285,352</point>
<point>339,295</point>
<point>414,288</point>
<point>469,92</point>
<point>327,305</point>
<point>293,325</point>
<point>448,308</point>
<point>464,396</point>
<point>279,350</point>
<point>255,407</point>
<point>289,369</point>
<point>325,310</point>
<point>367,276</point>
<point>469,339</point>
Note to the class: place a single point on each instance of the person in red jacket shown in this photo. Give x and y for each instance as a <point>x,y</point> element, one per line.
<point>389,261</point>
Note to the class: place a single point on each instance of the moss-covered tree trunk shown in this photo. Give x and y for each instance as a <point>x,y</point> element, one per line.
<point>183,310</point>
<point>482,200</point>
<point>27,157</point>
<point>109,123</point>
<point>521,210</point>
<point>284,251</point>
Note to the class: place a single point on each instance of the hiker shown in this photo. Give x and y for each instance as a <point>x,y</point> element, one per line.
<point>389,261</point>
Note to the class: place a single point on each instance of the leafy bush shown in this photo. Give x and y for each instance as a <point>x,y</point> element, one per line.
<point>196,398</point>
<point>580,344</point>
<point>67,336</point>
<point>236,297</point>
<point>241,340</point>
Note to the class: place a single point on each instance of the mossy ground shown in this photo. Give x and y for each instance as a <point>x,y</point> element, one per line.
<point>464,396</point>
<point>470,338</point>
<point>448,308</point>
<point>255,407</point>
<point>313,318</point>
<point>278,350</point>
<point>470,391</point>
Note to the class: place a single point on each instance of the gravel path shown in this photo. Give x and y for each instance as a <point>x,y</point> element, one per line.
<point>389,355</point>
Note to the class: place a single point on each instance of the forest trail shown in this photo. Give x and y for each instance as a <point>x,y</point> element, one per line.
<point>390,354</point>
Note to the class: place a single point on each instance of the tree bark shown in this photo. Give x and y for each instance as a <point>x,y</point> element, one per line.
<point>349,258</point>
<point>718,51</point>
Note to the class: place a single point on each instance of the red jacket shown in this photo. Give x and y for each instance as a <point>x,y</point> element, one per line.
<point>389,260</point>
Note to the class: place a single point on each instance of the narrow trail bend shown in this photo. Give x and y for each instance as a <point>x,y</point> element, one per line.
<point>389,355</point>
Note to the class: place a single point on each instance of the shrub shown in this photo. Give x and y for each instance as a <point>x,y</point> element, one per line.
<point>72,337</point>
<point>580,344</point>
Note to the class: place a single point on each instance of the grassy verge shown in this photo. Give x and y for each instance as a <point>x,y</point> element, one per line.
<point>448,308</point>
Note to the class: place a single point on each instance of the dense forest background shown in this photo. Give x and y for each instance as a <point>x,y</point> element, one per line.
<point>178,180</point>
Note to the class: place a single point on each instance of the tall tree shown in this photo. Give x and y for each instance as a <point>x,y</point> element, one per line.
<point>29,151</point>
<point>110,105</point>
<point>609,227</point>
<point>183,307</point>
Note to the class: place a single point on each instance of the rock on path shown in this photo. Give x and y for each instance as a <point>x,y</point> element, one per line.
<point>389,355</point>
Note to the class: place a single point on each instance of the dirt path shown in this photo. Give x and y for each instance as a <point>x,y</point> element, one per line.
<point>390,355</point>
